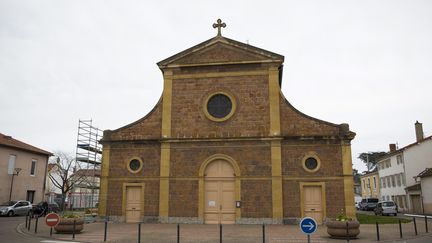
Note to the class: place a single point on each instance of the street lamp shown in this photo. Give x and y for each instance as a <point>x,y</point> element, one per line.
<point>15,173</point>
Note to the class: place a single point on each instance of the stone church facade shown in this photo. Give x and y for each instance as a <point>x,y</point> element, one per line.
<point>223,145</point>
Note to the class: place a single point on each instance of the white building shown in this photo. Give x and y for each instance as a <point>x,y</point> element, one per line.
<point>399,169</point>
<point>392,177</point>
<point>425,178</point>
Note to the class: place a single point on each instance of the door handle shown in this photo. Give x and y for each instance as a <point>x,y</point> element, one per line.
<point>312,209</point>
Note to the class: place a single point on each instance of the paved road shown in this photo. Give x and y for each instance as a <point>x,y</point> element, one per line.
<point>8,230</point>
<point>9,233</point>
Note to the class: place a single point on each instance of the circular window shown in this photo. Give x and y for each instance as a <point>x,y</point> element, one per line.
<point>134,165</point>
<point>311,162</point>
<point>219,106</point>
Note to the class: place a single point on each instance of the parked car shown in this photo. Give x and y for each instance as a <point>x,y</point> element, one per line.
<point>368,203</point>
<point>386,208</point>
<point>43,208</point>
<point>12,208</point>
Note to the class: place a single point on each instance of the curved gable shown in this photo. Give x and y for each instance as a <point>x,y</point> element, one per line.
<point>296,123</point>
<point>148,127</point>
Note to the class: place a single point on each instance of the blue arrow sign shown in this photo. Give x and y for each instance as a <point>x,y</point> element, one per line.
<point>308,225</point>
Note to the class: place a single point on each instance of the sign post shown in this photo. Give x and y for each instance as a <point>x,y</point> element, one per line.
<point>52,219</point>
<point>308,226</point>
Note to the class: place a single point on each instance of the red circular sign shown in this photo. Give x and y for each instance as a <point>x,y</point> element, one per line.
<point>52,219</point>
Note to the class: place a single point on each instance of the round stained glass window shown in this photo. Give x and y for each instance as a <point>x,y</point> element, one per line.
<point>135,165</point>
<point>311,163</point>
<point>219,106</point>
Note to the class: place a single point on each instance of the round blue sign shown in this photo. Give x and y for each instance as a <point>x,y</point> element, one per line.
<point>308,225</point>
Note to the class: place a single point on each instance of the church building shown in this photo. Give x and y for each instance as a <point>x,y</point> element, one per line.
<point>223,145</point>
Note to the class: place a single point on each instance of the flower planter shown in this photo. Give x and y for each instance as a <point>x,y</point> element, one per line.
<point>66,225</point>
<point>338,229</point>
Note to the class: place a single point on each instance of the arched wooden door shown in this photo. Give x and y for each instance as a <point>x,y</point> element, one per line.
<point>219,193</point>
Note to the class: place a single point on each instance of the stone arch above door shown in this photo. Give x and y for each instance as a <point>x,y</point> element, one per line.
<point>219,157</point>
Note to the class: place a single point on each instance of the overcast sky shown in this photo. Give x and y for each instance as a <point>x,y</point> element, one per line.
<point>366,63</point>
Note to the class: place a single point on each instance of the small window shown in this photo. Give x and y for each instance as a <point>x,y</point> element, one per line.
<point>33,167</point>
<point>11,164</point>
<point>399,159</point>
<point>134,165</point>
<point>311,162</point>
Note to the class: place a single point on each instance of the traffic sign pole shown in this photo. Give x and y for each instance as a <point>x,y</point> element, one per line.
<point>308,226</point>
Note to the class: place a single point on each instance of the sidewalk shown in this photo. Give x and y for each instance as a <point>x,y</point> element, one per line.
<point>122,232</point>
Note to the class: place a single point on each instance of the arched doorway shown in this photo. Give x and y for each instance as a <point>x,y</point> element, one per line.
<point>219,193</point>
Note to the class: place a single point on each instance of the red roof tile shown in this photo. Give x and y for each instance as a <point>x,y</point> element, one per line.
<point>8,141</point>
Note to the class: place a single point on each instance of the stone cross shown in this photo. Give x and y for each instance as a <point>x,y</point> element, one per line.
<point>219,25</point>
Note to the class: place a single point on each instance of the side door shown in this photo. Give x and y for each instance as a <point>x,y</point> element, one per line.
<point>19,208</point>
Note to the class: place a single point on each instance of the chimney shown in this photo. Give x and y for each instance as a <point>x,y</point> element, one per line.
<point>392,147</point>
<point>419,131</point>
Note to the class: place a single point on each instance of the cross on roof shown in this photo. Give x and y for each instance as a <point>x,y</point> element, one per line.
<point>219,25</point>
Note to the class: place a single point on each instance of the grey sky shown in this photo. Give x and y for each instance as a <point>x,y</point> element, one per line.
<point>366,63</point>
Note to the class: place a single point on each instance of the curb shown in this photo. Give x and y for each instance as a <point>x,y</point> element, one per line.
<point>20,229</point>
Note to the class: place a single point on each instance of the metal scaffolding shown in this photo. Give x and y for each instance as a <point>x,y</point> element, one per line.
<point>88,159</point>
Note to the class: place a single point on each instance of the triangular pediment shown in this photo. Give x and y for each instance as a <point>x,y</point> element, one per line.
<point>220,50</point>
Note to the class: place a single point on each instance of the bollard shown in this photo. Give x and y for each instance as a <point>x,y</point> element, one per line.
<point>220,233</point>
<point>178,233</point>
<point>105,231</point>
<point>139,232</point>
<point>263,232</point>
<point>415,225</point>
<point>400,229</point>
<point>377,230</point>
<point>426,224</point>
<point>29,224</point>
<point>27,219</point>
<point>73,229</point>
<point>347,235</point>
<point>36,224</point>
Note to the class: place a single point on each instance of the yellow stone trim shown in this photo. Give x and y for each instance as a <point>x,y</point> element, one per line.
<point>201,194</point>
<point>311,155</point>
<point>124,195</point>
<point>245,178</point>
<point>103,192</point>
<point>348,181</point>
<point>276,160</point>
<point>127,164</point>
<point>222,63</point>
<point>274,92</point>
<point>233,106</point>
<point>164,180</point>
<point>323,197</point>
<point>166,104</point>
<point>220,74</point>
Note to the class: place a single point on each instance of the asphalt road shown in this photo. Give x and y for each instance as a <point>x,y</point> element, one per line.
<point>9,233</point>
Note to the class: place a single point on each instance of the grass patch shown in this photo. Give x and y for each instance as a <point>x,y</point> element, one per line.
<point>371,219</point>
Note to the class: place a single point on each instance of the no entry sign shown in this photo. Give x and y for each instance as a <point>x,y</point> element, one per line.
<point>52,219</point>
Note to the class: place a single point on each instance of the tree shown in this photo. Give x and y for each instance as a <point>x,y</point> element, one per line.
<point>62,177</point>
<point>356,176</point>
<point>371,158</point>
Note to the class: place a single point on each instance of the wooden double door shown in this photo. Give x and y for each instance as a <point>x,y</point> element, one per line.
<point>313,203</point>
<point>219,193</point>
<point>133,204</point>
